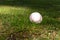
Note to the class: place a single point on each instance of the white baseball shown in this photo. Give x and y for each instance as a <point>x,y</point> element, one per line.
<point>35,17</point>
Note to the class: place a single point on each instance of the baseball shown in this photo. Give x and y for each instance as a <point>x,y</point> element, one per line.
<point>35,17</point>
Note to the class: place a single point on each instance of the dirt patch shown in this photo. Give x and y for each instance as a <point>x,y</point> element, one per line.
<point>33,34</point>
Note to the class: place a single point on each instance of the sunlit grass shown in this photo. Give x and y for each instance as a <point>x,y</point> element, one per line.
<point>12,10</point>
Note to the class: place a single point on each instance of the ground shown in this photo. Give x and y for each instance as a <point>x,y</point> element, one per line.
<point>15,23</point>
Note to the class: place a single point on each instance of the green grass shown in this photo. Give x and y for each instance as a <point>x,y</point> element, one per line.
<point>14,19</point>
